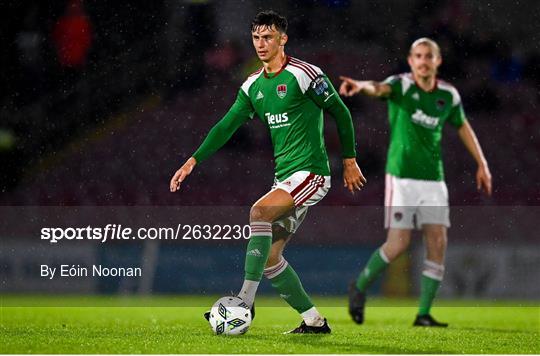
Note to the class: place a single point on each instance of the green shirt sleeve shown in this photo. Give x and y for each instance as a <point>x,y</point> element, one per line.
<point>323,93</point>
<point>457,117</point>
<point>240,112</point>
<point>395,83</point>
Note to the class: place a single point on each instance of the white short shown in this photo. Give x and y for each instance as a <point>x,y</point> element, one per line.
<point>306,189</point>
<point>411,203</point>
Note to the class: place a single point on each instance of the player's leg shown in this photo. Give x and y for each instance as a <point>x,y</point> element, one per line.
<point>306,189</point>
<point>435,240</point>
<point>266,210</point>
<point>434,217</point>
<point>397,242</point>
<point>400,208</point>
<point>287,283</point>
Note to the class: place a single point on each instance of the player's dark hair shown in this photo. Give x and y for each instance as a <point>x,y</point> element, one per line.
<point>267,18</point>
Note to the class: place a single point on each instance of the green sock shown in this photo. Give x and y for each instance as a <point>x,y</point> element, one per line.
<point>428,290</point>
<point>376,265</point>
<point>258,250</point>
<point>285,280</point>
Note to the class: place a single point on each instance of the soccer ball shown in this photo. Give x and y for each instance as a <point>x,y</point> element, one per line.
<point>230,316</point>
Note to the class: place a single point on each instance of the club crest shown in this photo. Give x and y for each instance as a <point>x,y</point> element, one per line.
<point>281,90</point>
<point>440,104</point>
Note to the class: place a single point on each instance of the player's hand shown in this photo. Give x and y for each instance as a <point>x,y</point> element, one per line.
<point>181,174</point>
<point>483,179</point>
<point>349,86</point>
<point>353,179</point>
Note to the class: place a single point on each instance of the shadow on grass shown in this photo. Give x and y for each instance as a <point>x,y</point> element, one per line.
<point>501,331</point>
<point>322,343</point>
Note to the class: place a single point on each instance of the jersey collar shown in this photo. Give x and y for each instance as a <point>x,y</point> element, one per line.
<point>426,91</point>
<point>279,71</point>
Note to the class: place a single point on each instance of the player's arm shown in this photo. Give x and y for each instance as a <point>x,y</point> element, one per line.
<point>323,93</point>
<point>469,139</point>
<point>239,113</point>
<point>350,87</point>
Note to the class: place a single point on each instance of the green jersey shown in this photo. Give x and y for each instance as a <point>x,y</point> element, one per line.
<point>290,103</point>
<point>416,123</point>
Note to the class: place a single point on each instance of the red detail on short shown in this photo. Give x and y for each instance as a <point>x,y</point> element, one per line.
<point>318,185</point>
<point>302,185</point>
<point>307,191</point>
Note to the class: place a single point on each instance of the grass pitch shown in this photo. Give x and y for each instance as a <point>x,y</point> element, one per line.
<point>101,325</point>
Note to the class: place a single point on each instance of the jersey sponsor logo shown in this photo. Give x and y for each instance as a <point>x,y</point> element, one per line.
<point>420,118</point>
<point>281,90</point>
<point>260,95</point>
<point>277,120</point>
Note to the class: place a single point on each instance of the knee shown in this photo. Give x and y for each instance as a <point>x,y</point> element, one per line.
<point>259,213</point>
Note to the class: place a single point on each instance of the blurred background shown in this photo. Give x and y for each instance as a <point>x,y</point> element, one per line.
<point>102,101</point>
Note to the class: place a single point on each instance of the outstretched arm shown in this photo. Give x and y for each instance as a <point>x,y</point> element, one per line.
<point>350,87</point>
<point>483,175</point>
<point>238,114</point>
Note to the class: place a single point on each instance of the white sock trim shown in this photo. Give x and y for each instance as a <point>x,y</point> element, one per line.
<point>261,223</point>
<point>383,255</point>
<point>312,317</point>
<point>432,276</point>
<point>276,270</point>
<point>433,270</point>
<point>260,228</point>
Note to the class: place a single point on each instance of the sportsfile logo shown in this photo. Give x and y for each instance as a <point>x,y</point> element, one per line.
<point>277,120</point>
<point>120,232</point>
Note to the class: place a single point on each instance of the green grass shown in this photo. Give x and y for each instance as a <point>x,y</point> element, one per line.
<point>159,327</point>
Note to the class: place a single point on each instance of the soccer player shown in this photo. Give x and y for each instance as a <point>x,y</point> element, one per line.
<point>416,195</point>
<point>288,96</point>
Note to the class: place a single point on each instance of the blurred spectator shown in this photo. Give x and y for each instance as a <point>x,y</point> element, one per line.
<point>507,67</point>
<point>72,35</point>
<point>222,58</point>
<point>29,42</point>
<point>532,68</point>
